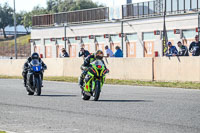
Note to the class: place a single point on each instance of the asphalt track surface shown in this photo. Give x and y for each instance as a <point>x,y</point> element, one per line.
<point>121,109</point>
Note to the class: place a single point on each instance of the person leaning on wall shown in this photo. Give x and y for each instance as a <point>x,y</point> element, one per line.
<point>109,52</point>
<point>172,51</point>
<point>195,47</point>
<point>64,53</point>
<point>118,52</point>
<point>183,50</point>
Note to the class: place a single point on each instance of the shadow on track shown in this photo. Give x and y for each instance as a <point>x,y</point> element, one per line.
<point>134,101</point>
<point>58,95</point>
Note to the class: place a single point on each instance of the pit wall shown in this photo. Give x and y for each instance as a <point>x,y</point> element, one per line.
<point>147,69</point>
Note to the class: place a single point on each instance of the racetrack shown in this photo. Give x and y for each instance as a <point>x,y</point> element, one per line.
<point>121,109</point>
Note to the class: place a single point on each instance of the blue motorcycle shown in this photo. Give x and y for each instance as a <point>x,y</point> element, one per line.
<point>34,77</point>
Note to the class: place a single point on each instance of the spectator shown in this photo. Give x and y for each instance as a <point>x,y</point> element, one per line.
<point>118,52</point>
<point>64,53</point>
<point>172,50</point>
<point>84,53</point>
<point>109,52</point>
<point>195,47</point>
<point>183,50</point>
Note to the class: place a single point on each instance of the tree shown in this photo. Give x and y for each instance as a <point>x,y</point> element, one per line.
<point>55,6</point>
<point>52,6</point>
<point>27,21</point>
<point>6,15</point>
<point>37,10</point>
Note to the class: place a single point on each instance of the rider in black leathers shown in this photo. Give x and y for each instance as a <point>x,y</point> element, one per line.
<point>86,64</point>
<point>25,67</point>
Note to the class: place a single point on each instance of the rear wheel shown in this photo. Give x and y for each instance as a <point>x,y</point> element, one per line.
<point>38,86</point>
<point>97,91</point>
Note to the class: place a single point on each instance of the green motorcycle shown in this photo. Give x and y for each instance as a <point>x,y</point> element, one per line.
<point>94,80</point>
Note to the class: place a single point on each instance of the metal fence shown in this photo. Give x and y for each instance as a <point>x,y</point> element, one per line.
<point>7,51</point>
<point>155,8</point>
<point>74,17</point>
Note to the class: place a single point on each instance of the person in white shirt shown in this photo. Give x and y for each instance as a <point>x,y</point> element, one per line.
<point>109,52</point>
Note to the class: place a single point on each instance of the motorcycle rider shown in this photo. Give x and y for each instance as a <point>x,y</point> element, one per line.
<point>25,67</point>
<point>195,47</point>
<point>96,56</point>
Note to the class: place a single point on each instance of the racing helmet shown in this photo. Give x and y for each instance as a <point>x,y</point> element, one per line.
<point>99,54</point>
<point>35,56</point>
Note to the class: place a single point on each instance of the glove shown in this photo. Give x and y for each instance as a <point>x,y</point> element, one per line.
<point>107,70</point>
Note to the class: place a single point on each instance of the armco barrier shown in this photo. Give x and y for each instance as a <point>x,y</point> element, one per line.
<point>129,68</point>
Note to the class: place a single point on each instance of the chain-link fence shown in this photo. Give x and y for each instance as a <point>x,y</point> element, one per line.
<point>7,51</point>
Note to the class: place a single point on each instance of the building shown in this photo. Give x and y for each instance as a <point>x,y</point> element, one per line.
<point>93,29</point>
<point>128,1</point>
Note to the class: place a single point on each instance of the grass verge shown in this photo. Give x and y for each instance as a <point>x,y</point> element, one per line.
<point>187,85</point>
<point>2,132</point>
<point>21,40</point>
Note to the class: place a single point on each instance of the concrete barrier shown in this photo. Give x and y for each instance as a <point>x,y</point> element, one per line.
<point>129,68</point>
<point>158,69</point>
<point>11,67</point>
<point>177,69</point>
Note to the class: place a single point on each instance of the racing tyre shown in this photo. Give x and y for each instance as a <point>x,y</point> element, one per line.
<point>38,86</point>
<point>97,91</point>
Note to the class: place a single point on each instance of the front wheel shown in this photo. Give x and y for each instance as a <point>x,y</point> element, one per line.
<point>38,86</point>
<point>97,91</point>
<point>84,96</point>
<point>28,91</point>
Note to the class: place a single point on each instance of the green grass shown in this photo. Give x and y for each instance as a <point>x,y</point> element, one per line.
<point>2,132</point>
<point>21,40</point>
<point>188,85</point>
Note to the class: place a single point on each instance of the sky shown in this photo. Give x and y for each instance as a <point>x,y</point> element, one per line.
<point>27,5</point>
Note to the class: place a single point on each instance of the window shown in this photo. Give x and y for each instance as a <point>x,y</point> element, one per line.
<point>187,4</point>
<point>131,37</point>
<point>100,39</point>
<point>174,5</point>
<point>59,41</point>
<point>189,34</point>
<point>72,40</point>
<point>149,36</point>
<point>181,5</point>
<point>146,8</point>
<point>48,41</point>
<point>151,7</point>
<point>135,10</point>
<point>115,38</point>
<point>168,5</point>
<point>37,42</point>
<point>198,4</point>
<point>86,40</point>
<point>194,4</point>
<point>141,9</point>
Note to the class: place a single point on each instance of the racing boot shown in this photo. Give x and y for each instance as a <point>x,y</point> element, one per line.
<point>81,82</point>
<point>25,83</point>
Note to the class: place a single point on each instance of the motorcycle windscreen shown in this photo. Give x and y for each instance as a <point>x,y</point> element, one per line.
<point>36,65</point>
<point>98,63</point>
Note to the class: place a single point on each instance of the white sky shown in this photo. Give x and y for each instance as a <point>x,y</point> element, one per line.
<point>27,5</point>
